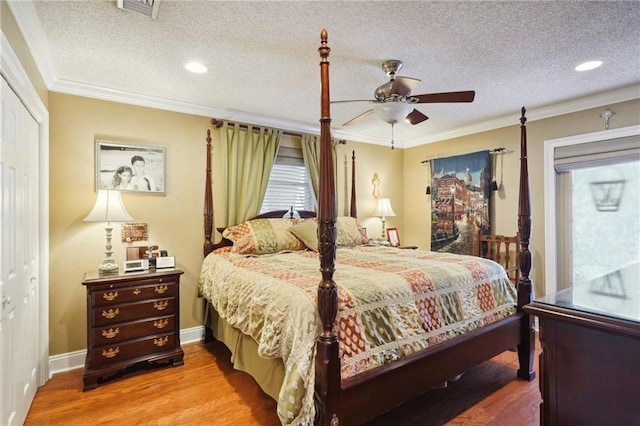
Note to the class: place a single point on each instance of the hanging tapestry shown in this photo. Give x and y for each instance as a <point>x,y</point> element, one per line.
<point>460,202</point>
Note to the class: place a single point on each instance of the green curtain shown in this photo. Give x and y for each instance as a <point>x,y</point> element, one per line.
<point>311,156</point>
<point>310,147</point>
<point>250,154</point>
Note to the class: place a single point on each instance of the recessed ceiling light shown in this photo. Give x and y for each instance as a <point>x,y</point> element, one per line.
<point>586,66</point>
<point>196,67</point>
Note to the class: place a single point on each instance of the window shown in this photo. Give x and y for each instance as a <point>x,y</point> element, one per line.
<point>289,185</point>
<point>605,219</point>
<point>592,187</point>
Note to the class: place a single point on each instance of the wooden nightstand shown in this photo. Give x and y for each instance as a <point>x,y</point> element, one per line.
<point>131,317</point>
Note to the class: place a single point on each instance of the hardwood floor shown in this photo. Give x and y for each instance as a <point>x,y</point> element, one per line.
<point>208,391</point>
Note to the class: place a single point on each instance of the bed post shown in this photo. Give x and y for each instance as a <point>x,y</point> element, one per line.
<point>327,387</point>
<point>526,347</point>
<point>354,210</point>
<point>208,202</point>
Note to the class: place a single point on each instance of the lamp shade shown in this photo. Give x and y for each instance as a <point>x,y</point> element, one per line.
<point>383,208</point>
<point>108,208</point>
<point>392,112</point>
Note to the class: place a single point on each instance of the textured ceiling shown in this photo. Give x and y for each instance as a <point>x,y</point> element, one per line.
<point>263,60</point>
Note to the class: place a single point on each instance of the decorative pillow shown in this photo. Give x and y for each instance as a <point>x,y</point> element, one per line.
<point>350,233</point>
<point>263,236</point>
<point>307,232</point>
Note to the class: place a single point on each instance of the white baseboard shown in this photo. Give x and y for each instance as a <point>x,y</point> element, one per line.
<point>73,360</point>
<point>65,362</point>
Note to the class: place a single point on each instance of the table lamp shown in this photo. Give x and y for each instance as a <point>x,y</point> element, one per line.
<point>383,209</point>
<point>108,208</point>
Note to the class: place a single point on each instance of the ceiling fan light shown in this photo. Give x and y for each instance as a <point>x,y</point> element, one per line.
<point>392,112</point>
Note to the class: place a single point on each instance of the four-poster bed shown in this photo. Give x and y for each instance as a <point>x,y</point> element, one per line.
<point>357,372</point>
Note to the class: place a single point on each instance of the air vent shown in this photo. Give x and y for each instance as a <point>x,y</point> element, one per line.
<point>146,7</point>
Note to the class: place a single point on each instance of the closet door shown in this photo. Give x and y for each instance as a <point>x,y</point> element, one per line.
<point>19,258</point>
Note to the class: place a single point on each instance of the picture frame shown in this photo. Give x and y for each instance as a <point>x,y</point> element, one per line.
<point>129,167</point>
<point>131,232</point>
<point>393,237</point>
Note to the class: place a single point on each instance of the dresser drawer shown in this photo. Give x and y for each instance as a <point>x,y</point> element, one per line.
<point>149,289</point>
<point>109,315</point>
<point>120,352</point>
<point>112,334</point>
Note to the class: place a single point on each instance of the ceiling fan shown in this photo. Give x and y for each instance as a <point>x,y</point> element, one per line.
<point>394,102</point>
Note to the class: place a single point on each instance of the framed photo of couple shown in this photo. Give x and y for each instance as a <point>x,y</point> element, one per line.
<point>130,168</point>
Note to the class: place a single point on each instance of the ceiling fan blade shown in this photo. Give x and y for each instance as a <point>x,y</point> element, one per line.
<point>416,117</point>
<point>359,117</point>
<point>403,85</point>
<point>353,100</point>
<point>432,98</point>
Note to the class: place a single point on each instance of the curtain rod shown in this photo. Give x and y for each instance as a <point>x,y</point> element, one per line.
<point>218,123</point>
<point>491,151</point>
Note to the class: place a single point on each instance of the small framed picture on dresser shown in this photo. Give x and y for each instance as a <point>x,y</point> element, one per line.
<point>393,237</point>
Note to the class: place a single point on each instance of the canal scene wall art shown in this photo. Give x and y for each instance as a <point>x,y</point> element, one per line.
<point>460,201</point>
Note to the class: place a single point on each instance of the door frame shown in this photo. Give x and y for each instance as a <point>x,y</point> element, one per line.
<point>18,79</point>
<point>550,193</point>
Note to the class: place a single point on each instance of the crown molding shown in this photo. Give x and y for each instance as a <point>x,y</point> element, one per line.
<point>28,22</point>
<point>17,78</point>
<point>592,101</point>
<point>130,98</point>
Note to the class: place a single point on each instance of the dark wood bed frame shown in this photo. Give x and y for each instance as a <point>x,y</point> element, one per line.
<point>365,396</point>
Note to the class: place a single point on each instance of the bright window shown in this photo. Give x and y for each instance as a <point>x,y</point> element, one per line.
<point>592,206</point>
<point>289,185</point>
<point>606,219</point>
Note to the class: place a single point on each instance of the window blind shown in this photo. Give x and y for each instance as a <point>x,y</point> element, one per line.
<point>595,154</point>
<point>288,183</point>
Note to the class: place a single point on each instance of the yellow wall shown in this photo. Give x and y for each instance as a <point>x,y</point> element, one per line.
<point>175,220</point>
<point>371,159</point>
<point>505,205</point>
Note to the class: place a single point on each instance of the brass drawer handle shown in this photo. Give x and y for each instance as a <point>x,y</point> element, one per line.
<point>161,341</point>
<point>110,296</point>
<point>160,289</point>
<point>111,333</point>
<point>111,313</point>
<point>137,291</point>
<point>161,324</point>
<point>161,305</point>
<point>111,352</point>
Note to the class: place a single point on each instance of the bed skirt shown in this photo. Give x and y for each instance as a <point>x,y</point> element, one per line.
<point>267,372</point>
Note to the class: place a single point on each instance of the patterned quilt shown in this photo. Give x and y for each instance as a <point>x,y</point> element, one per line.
<point>392,303</point>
